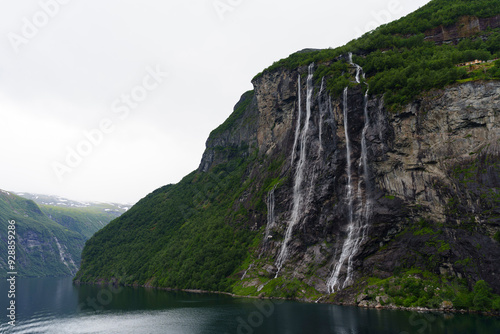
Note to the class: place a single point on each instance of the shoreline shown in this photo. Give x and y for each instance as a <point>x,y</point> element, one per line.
<point>377,307</point>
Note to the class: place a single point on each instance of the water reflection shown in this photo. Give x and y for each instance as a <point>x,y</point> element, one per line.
<point>57,306</point>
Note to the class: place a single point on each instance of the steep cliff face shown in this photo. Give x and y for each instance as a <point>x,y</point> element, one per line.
<point>442,163</point>
<point>239,129</point>
<point>360,192</point>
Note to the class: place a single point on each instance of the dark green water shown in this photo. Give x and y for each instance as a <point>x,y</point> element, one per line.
<point>57,306</point>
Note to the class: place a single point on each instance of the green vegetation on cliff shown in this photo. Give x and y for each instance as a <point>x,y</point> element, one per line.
<point>238,111</point>
<point>85,221</point>
<point>441,12</point>
<point>179,236</point>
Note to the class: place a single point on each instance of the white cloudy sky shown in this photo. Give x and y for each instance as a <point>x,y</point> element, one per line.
<point>65,75</point>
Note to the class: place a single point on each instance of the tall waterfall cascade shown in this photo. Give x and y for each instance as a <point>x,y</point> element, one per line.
<point>358,188</point>
<point>298,191</point>
<point>322,111</point>
<point>358,211</point>
<point>297,128</point>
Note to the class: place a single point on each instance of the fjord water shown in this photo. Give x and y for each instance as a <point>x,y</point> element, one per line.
<point>56,306</point>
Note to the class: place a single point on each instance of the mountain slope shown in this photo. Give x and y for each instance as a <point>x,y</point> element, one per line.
<point>52,233</point>
<point>354,179</point>
<point>43,247</point>
<point>166,240</point>
<point>81,217</point>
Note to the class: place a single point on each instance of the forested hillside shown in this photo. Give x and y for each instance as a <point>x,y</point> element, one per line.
<point>43,247</point>
<point>50,231</point>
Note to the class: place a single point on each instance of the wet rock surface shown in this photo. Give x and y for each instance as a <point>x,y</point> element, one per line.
<point>424,183</point>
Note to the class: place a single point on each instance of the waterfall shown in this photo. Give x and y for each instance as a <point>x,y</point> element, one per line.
<point>347,248</point>
<point>357,217</point>
<point>364,202</point>
<point>299,172</point>
<point>350,197</point>
<point>380,122</point>
<point>297,127</point>
<point>322,110</point>
<point>333,123</point>
<point>270,213</point>
<point>246,272</point>
<point>359,69</point>
<point>364,161</point>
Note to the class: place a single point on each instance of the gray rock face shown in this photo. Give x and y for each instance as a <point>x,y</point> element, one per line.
<point>239,130</point>
<point>466,26</point>
<point>420,187</point>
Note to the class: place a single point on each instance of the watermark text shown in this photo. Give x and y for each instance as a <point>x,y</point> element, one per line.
<point>224,7</point>
<point>380,17</point>
<point>11,265</point>
<point>31,26</point>
<point>122,108</point>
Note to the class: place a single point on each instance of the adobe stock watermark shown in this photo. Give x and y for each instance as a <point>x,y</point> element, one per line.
<point>381,17</point>
<point>12,271</point>
<point>122,108</point>
<point>31,26</point>
<point>223,7</point>
<point>103,298</point>
<point>264,309</point>
<point>422,320</point>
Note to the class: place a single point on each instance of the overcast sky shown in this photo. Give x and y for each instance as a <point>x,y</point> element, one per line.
<point>109,100</point>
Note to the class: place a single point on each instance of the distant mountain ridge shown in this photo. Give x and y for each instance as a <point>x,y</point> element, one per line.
<point>53,200</point>
<point>50,231</point>
<point>85,218</point>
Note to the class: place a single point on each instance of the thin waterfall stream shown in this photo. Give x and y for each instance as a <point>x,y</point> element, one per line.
<point>357,198</point>
<point>299,172</point>
<point>357,217</point>
<point>270,213</point>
